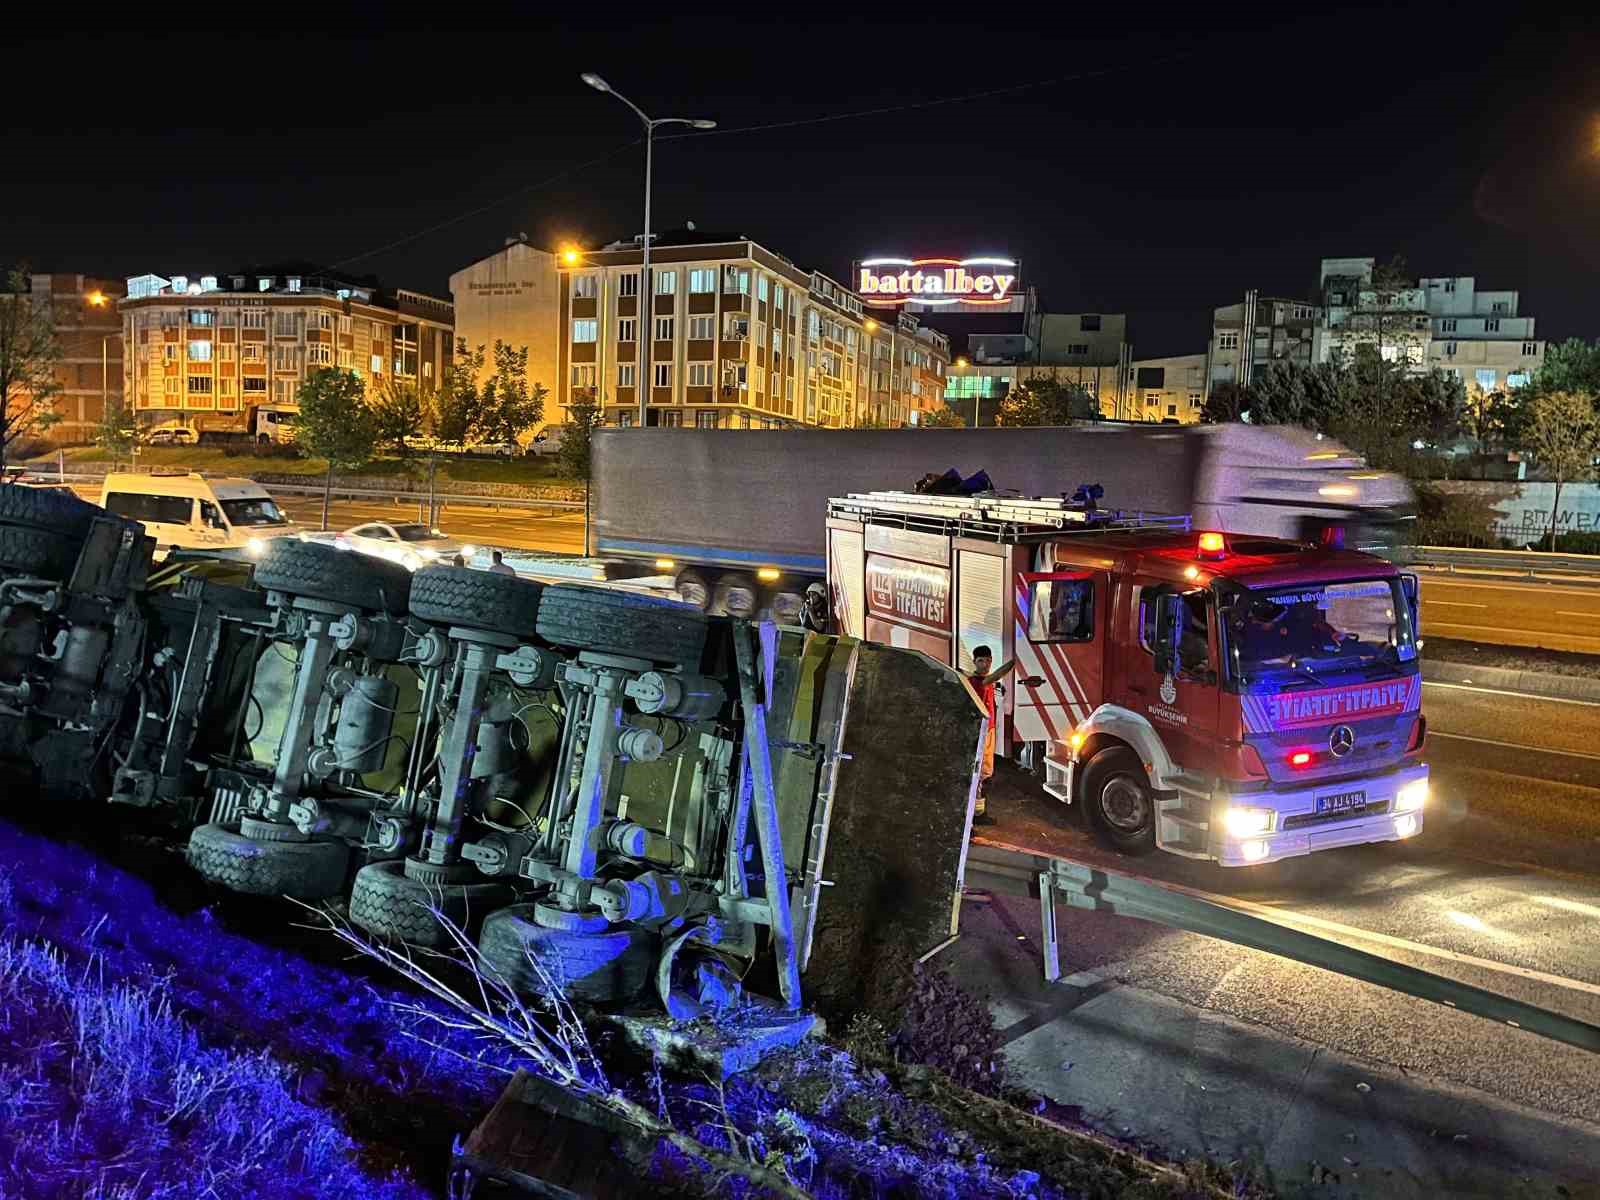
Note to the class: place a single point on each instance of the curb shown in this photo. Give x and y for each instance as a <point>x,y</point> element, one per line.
<point>1530,683</point>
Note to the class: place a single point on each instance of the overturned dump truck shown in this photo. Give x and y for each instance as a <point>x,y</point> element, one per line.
<point>636,796</point>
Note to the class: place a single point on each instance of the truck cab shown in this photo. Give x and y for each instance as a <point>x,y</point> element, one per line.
<point>1240,699</point>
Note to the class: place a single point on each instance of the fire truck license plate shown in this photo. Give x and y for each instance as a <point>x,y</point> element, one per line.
<point>1339,801</point>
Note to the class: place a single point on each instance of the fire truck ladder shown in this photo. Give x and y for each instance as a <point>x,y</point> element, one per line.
<point>998,518</point>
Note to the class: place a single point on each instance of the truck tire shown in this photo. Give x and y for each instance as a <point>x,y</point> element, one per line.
<point>321,572</point>
<point>627,623</point>
<point>305,870</point>
<point>477,599</point>
<point>48,509</point>
<point>597,968</point>
<point>37,552</point>
<point>389,904</point>
<point>1119,802</point>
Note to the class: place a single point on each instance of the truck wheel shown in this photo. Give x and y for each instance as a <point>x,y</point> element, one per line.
<point>38,552</point>
<point>477,600</point>
<point>599,968</point>
<point>1119,800</point>
<point>48,509</point>
<point>627,623</point>
<point>304,870</point>
<point>387,903</point>
<point>321,572</point>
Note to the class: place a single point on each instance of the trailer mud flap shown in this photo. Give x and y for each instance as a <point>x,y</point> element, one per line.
<point>886,838</point>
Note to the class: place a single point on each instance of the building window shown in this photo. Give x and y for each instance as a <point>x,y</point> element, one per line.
<point>377,364</point>
<point>344,324</point>
<point>254,318</point>
<point>1080,348</point>
<point>628,284</point>
<point>777,342</point>
<point>586,329</point>
<point>700,374</point>
<point>737,280</point>
<point>319,356</point>
<point>224,352</point>
<point>702,280</point>
<point>283,391</point>
<point>1517,379</point>
<point>202,316</point>
<point>627,374</point>
<point>1487,378</point>
<point>1151,399</point>
<point>661,373</point>
<point>1530,349</point>
<point>1491,326</point>
<point>252,352</point>
<point>200,385</point>
<point>666,283</point>
<point>701,328</point>
<point>1228,341</point>
<point>1449,285</point>
<point>1089,323</point>
<point>1172,410</point>
<point>583,375</point>
<point>1447,326</point>
<point>253,383</point>
<point>585,287</point>
<point>1194,400</point>
<point>777,295</point>
<point>761,287</point>
<point>738,328</point>
<point>225,388</point>
<point>1499,306</point>
<point>170,385</point>
<point>228,318</point>
<point>625,419</point>
<point>285,358</point>
<point>285,324</point>
<point>706,418</point>
<point>323,321</point>
<point>663,327</point>
<point>347,358</point>
<point>1450,349</point>
<point>200,351</point>
<point>670,420</point>
<point>627,329</point>
<point>294,283</point>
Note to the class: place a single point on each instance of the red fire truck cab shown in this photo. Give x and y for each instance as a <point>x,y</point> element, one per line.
<point>1235,698</point>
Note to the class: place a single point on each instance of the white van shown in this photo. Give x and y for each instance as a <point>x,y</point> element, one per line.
<point>185,510</point>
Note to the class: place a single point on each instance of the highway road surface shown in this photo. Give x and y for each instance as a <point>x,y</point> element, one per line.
<point>1510,612</point>
<point>1501,890</point>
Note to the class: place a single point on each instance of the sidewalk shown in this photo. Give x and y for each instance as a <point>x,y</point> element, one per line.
<point>1185,1080</point>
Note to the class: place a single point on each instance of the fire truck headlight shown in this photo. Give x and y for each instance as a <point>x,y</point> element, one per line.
<point>1411,797</point>
<point>1405,826</point>
<point>1254,851</point>
<point>1243,822</point>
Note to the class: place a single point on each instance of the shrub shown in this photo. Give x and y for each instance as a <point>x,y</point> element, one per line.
<point>1448,518</point>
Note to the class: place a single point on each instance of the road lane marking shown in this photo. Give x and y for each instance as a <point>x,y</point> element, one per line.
<point>1584,910</point>
<point>1567,612</point>
<point>1539,584</point>
<point>1456,604</point>
<point>1488,691</point>
<point>1572,637</point>
<point>1463,737</point>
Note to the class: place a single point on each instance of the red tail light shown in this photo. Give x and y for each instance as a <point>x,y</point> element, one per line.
<point>1300,758</point>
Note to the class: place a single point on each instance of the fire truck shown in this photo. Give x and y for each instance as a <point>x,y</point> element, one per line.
<point>1229,697</point>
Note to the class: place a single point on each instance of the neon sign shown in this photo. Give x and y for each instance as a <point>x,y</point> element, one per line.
<point>936,280</point>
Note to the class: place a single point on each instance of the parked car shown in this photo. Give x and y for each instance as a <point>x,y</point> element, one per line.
<point>547,441</point>
<point>171,435</point>
<point>498,449</point>
<point>412,546</point>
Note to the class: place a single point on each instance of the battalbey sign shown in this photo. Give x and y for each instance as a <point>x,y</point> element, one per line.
<point>908,593</point>
<point>937,280</point>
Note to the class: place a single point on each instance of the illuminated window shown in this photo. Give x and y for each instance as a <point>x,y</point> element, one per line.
<point>586,329</point>
<point>377,364</point>
<point>736,280</point>
<point>628,329</point>
<point>1518,379</point>
<point>666,283</point>
<point>294,283</point>
<point>628,284</point>
<point>699,374</point>
<point>663,328</point>
<point>777,295</point>
<point>583,375</point>
<point>202,316</point>
<point>585,287</point>
<point>323,321</point>
<point>1487,378</point>
<point>199,351</point>
<point>761,287</point>
<point>702,280</point>
<point>701,329</point>
<point>1194,399</point>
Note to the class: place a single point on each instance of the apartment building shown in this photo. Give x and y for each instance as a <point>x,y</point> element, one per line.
<point>203,350</point>
<point>1167,389</point>
<point>1479,337</point>
<point>1262,329</point>
<point>89,332</point>
<point>1086,350</point>
<point>514,296</point>
<point>904,365</point>
<point>739,338</point>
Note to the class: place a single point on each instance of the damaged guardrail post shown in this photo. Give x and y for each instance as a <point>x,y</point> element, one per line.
<point>764,807</point>
<point>1047,920</point>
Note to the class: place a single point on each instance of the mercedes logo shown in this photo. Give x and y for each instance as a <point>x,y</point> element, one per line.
<point>1342,740</point>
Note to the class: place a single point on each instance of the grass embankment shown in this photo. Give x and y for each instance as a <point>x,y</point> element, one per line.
<point>451,468</point>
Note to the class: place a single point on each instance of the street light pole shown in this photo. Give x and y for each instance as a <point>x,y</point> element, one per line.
<point>646,286</point>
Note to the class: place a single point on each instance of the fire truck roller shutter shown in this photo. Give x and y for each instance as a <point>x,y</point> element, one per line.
<point>847,557</point>
<point>980,605</point>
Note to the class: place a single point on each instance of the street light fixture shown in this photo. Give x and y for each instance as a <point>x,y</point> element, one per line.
<point>646,290</point>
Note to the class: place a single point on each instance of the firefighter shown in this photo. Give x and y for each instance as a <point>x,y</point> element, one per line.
<point>814,613</point>
<point>986,683</point>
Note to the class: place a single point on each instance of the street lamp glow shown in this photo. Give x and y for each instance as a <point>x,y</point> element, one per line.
<point>961,362</point>
<point>594,81</point>
<point>569,256</point>
<point>872,326</point>
<point>702,123</point>
<point>97,298</point>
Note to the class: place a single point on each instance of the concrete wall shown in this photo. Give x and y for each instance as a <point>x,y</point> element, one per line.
<point>1524,508</point>
<point>514,296</point>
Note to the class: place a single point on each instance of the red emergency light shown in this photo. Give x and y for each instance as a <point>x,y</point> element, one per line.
<point>1333,537</point>
<point>1300,758</point>
<point>1212,545</point>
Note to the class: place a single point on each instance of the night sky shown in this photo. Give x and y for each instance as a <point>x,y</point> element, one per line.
<point>1162,164</point>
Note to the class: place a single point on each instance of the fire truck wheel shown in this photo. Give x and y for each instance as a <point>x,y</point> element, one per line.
<point>598,968</point>
<point>388,903</point>
<point>477,600</point>
<point>37,552</point>
<point>321,572</point>
<point>627,623</point>
<point>304,870</point>
<point>47,508</point>
<point>1119,800</point>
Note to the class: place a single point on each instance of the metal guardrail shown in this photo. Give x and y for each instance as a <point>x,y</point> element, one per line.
<point>458,499</point>
<point>1531,563</point>
<point>1101,890</point>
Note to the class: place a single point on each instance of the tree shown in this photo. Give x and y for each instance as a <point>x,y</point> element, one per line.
<point>1496,418</point>
<point>1043,400</point>
<point>574,455</point>
<point>336,423</point>
<point>1562,431</point>
<point>29,353</point>
<point>943,417</point>
<point>118,434</point>
<point>508,407</point>
<point>455,406</point>
<point>1226,403</point>
<point>1571,366</point>
<point>397,412</point>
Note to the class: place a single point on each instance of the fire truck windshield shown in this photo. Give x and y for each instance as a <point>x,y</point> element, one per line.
<point>1316,632</point>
